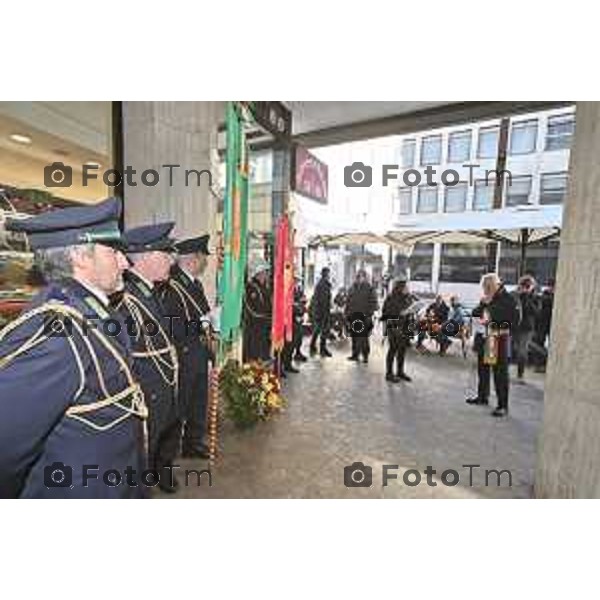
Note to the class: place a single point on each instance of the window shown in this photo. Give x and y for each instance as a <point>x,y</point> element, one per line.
<point>560,132</point>
<point>431,150</point>
<point>541,262</point>
<point>463,263</point>
<point>523,137</point>
<point>459,146</point>
<point>261,168</point>
<point>483,198</point>
<point>427,199</point>
<point>404,206</point>
<point>456,198</point>
<point>421,262</point>
<point>408,153</point>
<point>519,192</point>
<point>553,188</point>
<point>488,142</point>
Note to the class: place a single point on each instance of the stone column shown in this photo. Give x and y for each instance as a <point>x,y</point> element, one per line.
<point>569,449</point>
<point>173,133</point>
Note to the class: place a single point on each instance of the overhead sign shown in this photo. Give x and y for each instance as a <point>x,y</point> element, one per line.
<point>274,117</point>
<point>310,176</point>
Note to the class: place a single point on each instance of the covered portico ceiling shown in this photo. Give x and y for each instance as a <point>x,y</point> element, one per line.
<point>316,116</point>
<point>318,124</point>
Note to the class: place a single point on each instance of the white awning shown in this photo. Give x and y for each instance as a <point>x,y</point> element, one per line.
<point>473,227</point>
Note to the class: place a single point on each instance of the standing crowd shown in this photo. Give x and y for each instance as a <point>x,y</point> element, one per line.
<point>508,327</point>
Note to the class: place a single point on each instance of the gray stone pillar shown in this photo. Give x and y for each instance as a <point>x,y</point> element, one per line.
<point>569,449</point>
<point>173,133</point>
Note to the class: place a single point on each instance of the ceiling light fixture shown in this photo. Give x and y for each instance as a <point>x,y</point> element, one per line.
<point>20,139</point>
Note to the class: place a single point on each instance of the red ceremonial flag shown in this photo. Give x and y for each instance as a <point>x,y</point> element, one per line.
<point>283,286</point>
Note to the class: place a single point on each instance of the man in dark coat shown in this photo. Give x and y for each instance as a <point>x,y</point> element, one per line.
<point>498,313</point>
<point>292,350</point>
<point>320,313</point>
<point>396,321</point>
<point>185,304</point>
<point>529,307</point>
<point>299,312</point>
<point>71,413</point>
<point>154,356</point>
<point>361,305</point>
<point>543,326</point>
<point>258,314</point>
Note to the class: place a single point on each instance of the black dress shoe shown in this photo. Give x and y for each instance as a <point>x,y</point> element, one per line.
<point>300,357</point>
<point>365,359</point>
<point>353,358</point>
<point>500,412</point>
<point>404,377</point>
<point>392,378</point>
<point>477,400</point>
<point>291,369</point>
<point>326,353</point>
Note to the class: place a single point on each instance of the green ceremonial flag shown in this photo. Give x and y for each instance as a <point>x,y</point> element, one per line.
<point>235,224</point>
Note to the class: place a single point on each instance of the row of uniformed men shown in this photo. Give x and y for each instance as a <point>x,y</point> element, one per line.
<point>108,364</point>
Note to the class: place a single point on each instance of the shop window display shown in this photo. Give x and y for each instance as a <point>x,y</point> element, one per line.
<point>34,135</point>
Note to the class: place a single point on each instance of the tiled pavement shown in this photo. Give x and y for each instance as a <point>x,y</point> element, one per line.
<point>341,412</point>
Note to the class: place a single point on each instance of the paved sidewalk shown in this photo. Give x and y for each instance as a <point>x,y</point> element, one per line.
<point>341,412</point>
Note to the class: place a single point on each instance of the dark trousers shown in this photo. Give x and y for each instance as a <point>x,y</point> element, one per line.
<point>500,370</point>
<point>320,332</point>
<point>163,418</point>
<point>194,399</point>
<point>297,341</point>
<point>292,346</point>
<point>396,352</point>
<point>521,344</point>
<point>257,340</point>
<point>360,345</point>
<point>360,338</point>
<point>163,449</point>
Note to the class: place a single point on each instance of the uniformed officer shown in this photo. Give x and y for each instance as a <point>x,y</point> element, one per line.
<point>154,357</point>
<point>185,302</point>
<point>71,413</point>
<point>258,314</point>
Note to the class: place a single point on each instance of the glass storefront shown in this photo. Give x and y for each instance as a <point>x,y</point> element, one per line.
<point>49,154</point>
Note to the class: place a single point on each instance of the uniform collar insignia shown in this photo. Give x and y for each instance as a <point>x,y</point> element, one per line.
<point>96,306</point>
<point>141,285</point>
<point>184,279</point>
